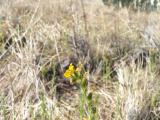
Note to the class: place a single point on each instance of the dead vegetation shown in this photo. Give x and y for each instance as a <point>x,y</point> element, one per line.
<point>118,48</point>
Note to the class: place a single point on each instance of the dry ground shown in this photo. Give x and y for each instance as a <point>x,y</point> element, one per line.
<point>118,47</point>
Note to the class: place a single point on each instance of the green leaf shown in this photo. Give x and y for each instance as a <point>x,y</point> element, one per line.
<point>89,97</point>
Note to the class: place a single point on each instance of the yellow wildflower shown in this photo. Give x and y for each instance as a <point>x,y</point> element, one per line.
<point>69,72</point>
<point>71,68</point>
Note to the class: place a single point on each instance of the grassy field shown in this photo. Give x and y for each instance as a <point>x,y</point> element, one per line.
<point>78,60</point>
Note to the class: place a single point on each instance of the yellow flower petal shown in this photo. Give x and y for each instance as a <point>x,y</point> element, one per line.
<point>70,71</point>
<point>71,67</point>
<point>67,74</point>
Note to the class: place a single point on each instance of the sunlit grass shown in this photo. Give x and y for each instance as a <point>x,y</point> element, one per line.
<point>110,84</point>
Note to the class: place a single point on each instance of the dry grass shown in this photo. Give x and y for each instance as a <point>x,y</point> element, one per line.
<point>108,41</point>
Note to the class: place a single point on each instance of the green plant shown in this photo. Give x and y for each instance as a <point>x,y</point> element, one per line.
<point>78,76</point>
